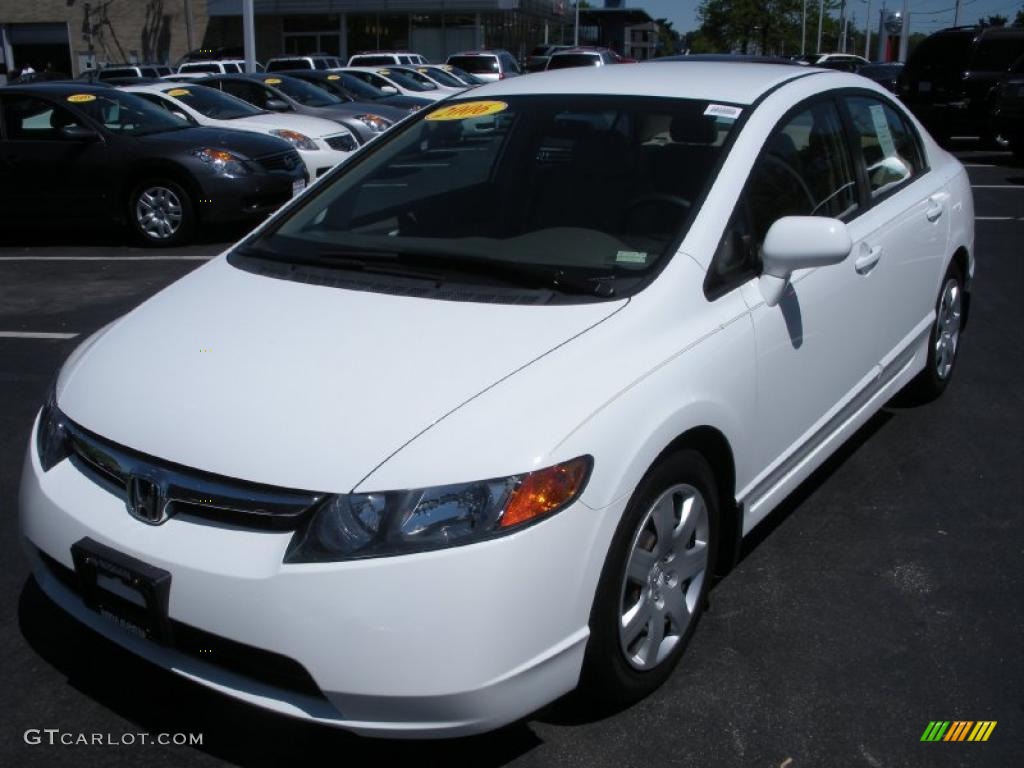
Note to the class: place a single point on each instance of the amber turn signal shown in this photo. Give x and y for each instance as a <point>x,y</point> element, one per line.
<point>545,491</point>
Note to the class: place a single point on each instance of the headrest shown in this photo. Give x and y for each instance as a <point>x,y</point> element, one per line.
<point>693,129</point>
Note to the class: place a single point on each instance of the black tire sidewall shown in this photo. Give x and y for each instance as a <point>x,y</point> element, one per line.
<point>188,220</point>
<point>607,678</point>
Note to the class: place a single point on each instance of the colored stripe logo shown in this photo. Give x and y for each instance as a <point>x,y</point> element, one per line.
<point>958,730</point>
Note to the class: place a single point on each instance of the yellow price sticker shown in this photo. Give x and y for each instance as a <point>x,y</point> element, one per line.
<point>383,71</point>
<point>178,92</point>
<point>272,81</point>
<point>81,98</point>
<point>334,77</point>
<point>467,110</point>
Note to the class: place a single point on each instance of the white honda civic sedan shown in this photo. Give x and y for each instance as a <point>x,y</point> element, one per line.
<point>473,422</point>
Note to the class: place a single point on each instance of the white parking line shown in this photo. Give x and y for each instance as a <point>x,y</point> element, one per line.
<point>979,165</point>
<point>35,335</point>
<point>106,258</point>
<point>999,218</point>
<point>998,186</point>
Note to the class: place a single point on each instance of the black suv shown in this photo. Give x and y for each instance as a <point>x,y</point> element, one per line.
<point>1008,110</point>
<point>949,80</point>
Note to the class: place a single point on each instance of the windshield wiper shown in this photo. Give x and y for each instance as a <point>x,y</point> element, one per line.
<point>351,260</point>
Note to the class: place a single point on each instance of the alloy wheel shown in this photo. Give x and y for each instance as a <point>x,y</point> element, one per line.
<point>947,329</point>
<point>158,211</point>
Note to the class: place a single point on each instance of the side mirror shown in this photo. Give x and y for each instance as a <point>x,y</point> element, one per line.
<point>390,90</point>
<point>277,105</point>
<point>799,242</point>
<point>78,133</point>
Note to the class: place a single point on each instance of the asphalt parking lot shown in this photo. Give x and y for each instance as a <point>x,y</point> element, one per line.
<point>886,593</point>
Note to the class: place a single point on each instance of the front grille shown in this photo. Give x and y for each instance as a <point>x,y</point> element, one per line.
<point>282,161</point>
<point>343,142</point>
<point>254,663</point>
<point>183,490</point>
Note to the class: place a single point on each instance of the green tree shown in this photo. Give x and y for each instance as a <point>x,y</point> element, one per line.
<point>1019,21</point>
<point>668,38</point>
<point>993,21</point>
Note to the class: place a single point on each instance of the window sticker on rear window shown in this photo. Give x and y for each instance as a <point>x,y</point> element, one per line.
<point>723,110</point>
<point>882,129</point>
<point>467,110</point>
<point>178,92</point>
<point>81,98</point>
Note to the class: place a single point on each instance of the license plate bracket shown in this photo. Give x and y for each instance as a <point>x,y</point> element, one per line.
<point>94,561</point>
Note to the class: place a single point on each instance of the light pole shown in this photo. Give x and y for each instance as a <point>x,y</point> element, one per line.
<point>803,31</point>
<point>905,32</point>
<point>867,33</point>
<point>821,18</point>
<point>576,32</point>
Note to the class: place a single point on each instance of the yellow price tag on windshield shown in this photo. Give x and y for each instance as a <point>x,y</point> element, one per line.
<point>178,92</point>
<point>334,77</point>
<point>467,110</point>
<point>272,81</point>
<point>81,98</point>
<point>383,71</point>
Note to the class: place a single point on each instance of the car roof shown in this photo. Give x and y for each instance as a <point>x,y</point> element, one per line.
<point>59,88</point>
<point>735,83</point>
<point>733,58</point>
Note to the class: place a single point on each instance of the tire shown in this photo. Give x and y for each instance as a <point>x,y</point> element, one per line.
<point>622,663</point>
<point>160,213</point>
<point>943,340</point>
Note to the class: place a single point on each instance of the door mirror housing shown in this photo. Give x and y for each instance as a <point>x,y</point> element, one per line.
<point>79,133</point>
<point>799,242</point>
<point>277,105</point>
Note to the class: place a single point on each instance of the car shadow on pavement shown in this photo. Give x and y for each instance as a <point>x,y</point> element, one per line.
<point>158,701</point>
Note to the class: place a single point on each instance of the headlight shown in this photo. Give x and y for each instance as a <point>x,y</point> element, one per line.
<point>296,139</point>
<point>51,440</point>
<point>375,123</point>
<point>359,525</point>
<point>222,162</point>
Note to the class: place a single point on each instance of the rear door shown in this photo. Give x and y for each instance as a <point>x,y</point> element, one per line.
<point>904,232</point>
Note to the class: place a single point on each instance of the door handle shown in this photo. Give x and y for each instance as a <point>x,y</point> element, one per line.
<point>868,259</point>
<point>933,211</point>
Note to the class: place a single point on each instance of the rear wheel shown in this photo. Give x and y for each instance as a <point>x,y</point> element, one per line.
<point>161,213</point>
<point>944,339</point>
<point>654,583</point>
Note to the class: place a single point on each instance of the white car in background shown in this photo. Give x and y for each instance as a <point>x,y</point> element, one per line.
<point>213,67</point>
<point>480,415</point>
<point>321,143</point>
<point>392,80</point>
<point>428,77</point>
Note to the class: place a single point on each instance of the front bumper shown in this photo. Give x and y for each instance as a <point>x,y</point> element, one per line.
<point>442,643</point>
<point>320,161</point>
<point>224,199</point>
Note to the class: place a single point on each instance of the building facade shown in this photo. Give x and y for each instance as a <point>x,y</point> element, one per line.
<point>434,28</point>
<point>69,36</point>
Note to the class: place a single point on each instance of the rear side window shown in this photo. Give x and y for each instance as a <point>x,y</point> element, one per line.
<point>199,68</point>
<point>887,144</point>
<point>566,60</point>
<point>997,54</point>
<point>476,65</point>
<point>372,61</point>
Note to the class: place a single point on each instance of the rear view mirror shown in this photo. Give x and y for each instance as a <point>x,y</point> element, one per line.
<point>78,133</point>
<point>799,242</point>
<point>277,105</point>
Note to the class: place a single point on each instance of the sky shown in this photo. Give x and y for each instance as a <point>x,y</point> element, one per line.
<point>931,14</point>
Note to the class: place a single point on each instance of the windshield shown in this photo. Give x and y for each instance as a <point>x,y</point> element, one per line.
<point>213,103</point>
<point>358,89</point>
<point>405,80</point>
<point>444,78</point>
<point>419,77</point>
<point>476,65</point>
<point>464,76</point>
<point>126,114</point>
<point>590,187</point>
<point>306,94</point>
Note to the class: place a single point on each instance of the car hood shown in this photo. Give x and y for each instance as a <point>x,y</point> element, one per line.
<point>298,385</point>
<point>316,127</point>
<point>250,144</point>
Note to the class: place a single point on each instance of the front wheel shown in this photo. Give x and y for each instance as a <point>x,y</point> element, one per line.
<point>943,341</point>
<point>654,583</point>
<point>161,213</point>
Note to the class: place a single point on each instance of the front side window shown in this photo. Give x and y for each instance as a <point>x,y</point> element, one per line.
<point>252,93</point>
<point>592,187</point>
<point>804,169</point>
<point>888,146</point>
<point>304,93</point>
<point>30,119</point>
<point>996,54</point>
